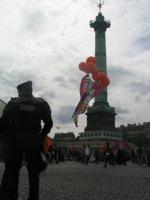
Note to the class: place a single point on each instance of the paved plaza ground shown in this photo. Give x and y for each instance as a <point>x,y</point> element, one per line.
<point>73,181</point>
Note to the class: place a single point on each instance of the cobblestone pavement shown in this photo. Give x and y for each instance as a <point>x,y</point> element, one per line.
<point>73,181</point>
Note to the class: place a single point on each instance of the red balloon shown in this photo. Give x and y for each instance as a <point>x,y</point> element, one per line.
<point>83,67</point>
<point>96,76</point>
<point>95,70</point>
<point>105,82</point>
<point>91,59</point>
<point>91,67</point>
<point>102,76</point>
<point>97,88</point>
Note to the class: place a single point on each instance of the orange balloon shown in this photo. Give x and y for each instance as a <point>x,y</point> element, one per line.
<point>91,59</point>
<point>48,143</point>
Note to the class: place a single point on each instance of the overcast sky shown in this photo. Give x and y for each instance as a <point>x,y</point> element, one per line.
<point>44,41</point>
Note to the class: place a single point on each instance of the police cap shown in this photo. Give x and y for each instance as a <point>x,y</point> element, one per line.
<point>25,86</point>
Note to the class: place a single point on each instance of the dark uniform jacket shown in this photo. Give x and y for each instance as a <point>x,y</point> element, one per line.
<point>22,117</point>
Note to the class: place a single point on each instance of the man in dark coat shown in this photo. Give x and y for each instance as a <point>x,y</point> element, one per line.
<point>109,156</point>
<point>21,124</point>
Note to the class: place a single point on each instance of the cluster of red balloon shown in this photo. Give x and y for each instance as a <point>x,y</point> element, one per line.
<point>90,67</point>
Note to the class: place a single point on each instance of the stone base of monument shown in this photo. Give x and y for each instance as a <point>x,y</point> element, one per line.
<point>103,135</point>
<point>100,117</point>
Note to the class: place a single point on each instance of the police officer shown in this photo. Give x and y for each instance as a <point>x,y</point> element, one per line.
<point>21,123</point>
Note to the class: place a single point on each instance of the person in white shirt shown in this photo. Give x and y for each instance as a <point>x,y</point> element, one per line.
<point>87,154</point>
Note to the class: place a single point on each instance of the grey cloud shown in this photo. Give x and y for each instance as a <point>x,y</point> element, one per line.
<point>143,42</point>
<point>38,87</point>
<point>64,114</point>
<point>61,81</point>
<point>8,79</point>
<point>47,94</point>
<point>74,75</point>
<point>57,12</point>
<point>5,60</point>
<point>75,21</point>
<point>12,78</point>
<point>8,82</point>
<point>141,88</point>
<point>117,74</point>
<point>34,20</point>
<point>74,80</point>
<point>118,71</point>
<point>120,111</point>
<point>51,94</point>
<point>137,98</point>
<point>148,99</point>
<point>73,49</point>
<point>120,120</point>
<point>24,76</point>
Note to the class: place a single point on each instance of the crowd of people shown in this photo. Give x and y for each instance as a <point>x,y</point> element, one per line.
<point>87,154</point>
<point>106,155</point>
<point>141,155</point>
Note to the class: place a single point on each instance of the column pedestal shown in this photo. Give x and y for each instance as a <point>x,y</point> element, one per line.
<point>100,117</point>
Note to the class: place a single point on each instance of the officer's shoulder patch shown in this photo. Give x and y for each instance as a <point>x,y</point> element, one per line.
<point>25,107</point>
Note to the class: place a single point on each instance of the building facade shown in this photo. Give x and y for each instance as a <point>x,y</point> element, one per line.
<point>2,105</point>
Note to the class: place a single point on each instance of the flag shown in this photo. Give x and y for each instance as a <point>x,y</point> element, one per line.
<point>86,94</point>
